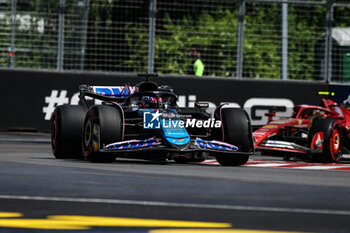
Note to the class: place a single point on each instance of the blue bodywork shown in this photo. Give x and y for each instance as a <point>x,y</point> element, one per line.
<point>174,133</point>
<point>174,136</point>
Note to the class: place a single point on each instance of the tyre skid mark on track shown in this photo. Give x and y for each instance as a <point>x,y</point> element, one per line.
<point>291,165</point>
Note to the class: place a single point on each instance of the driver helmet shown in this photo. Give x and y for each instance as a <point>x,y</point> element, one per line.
<point>316,112</point>
<point>306,114</point>
<point>150,102</point>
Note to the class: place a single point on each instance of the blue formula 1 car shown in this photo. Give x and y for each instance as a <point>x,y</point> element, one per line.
<point>144,122</point>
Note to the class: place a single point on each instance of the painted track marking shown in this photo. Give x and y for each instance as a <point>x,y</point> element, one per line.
<point>214,231</point>
<point>179,205</point>
<point>77,222</point>
<point>291,165</point>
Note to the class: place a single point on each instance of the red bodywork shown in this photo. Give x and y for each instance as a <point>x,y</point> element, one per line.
<point>269,137</point>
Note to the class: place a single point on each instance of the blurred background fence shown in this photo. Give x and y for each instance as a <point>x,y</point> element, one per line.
<point>280,39</point>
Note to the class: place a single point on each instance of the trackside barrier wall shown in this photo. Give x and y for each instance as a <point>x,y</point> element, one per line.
<point>29,97</point>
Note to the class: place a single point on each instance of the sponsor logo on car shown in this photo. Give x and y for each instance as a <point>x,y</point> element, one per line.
<point>114,90</point>
<point>270,126</point>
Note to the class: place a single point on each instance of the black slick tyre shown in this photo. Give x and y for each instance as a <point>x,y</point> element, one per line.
<point>102,126</point>
<point>236,130</point>
<point>66,129</point>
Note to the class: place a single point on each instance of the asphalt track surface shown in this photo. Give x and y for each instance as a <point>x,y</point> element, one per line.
<point>39,193</point>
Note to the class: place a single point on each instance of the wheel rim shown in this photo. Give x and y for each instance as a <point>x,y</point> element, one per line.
<point>87,133</point>
<point>95,137</point>
<point>54,133</point>
<point>317,141</point>
<point>335,145</point>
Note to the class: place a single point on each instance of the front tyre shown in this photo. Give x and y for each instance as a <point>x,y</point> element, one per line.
<point>236,130</point>
<point>102,126</point>
<point>325,134</point>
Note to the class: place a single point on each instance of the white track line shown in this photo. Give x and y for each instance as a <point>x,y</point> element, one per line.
<point>7,140</point>
<point>267,165</point>
<point>318,167</point>
<point>181,205</point>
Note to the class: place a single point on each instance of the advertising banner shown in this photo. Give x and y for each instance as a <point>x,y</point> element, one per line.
<point>29,97</point>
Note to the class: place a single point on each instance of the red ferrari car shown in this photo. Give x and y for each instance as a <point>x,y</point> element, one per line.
<point>320,133</point>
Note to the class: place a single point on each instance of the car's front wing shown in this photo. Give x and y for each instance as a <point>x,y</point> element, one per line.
<point>155,144</point>
<point>284,146</point>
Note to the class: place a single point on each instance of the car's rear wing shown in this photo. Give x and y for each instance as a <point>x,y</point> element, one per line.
<point>105,93</point>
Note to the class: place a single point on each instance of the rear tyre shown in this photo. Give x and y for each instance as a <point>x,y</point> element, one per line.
<point>325,134</point>
<point>236,130</point>
<point>66,129</point>
<point>102,126</point>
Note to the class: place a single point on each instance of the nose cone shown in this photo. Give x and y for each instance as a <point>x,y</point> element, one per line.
<point>179,141</point>
<point>174,132</point>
